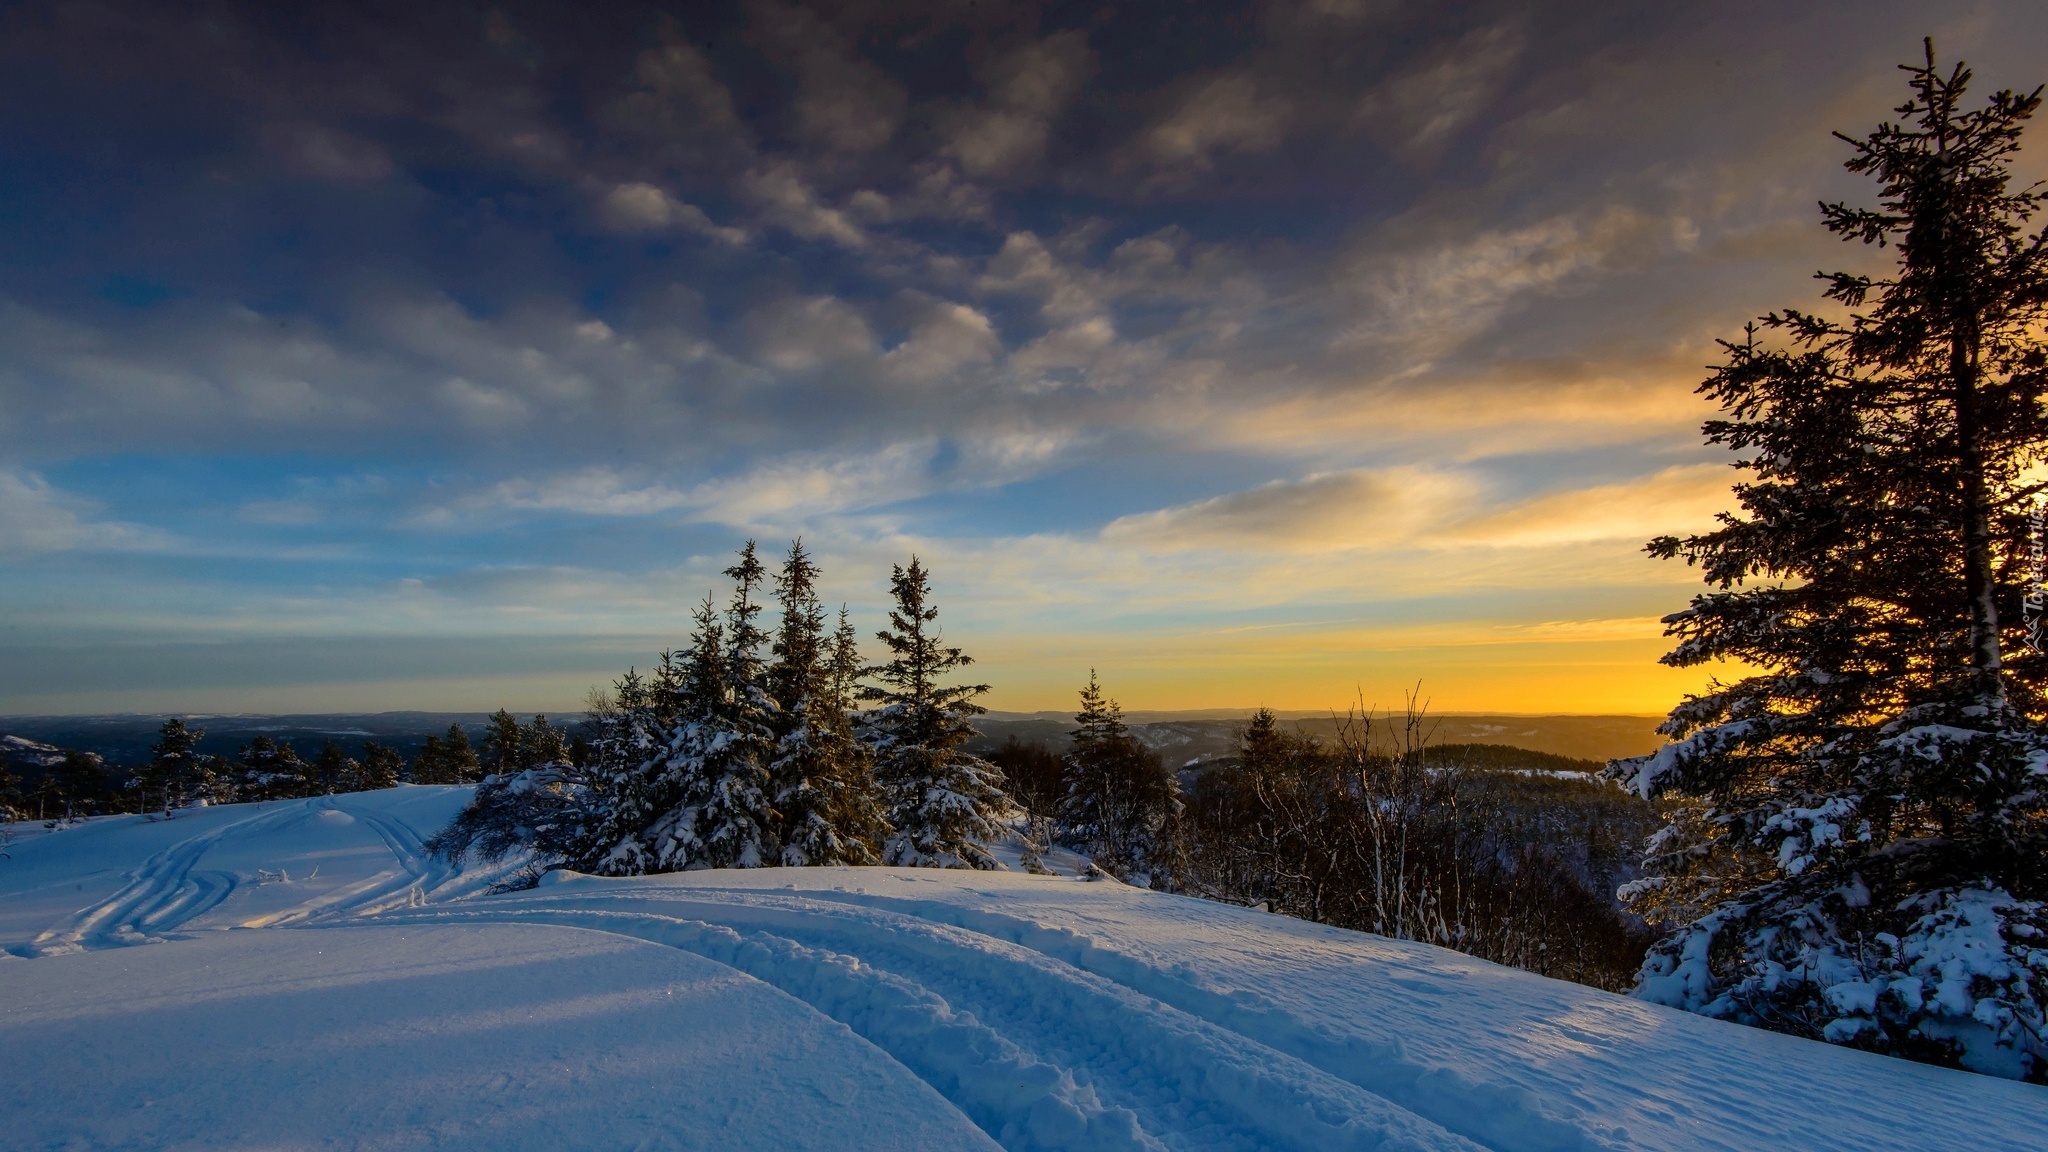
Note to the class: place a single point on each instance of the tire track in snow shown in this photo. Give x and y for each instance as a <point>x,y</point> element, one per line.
<point>983,1021</point>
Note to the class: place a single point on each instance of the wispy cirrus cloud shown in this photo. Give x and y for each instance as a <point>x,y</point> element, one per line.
<point>1407,508</point>
<point>787,490</point>
<point>1335,511</point>
<point>640,207</point>
<point>36,517</point>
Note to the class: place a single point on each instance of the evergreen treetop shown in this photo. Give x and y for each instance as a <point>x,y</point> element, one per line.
<point>1119,793</point>
<point>828,807</point>
<point>501,750</point>
<point>458,758</point>
<point>175,771</point>
<point>1100,722</point>
<point>381,767</point>
<point>331,770</point>
<point>697,681</point>
<point>801,658</point>
<point>924,711</point>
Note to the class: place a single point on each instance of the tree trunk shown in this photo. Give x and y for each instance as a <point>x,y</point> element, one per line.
<point>1979,584</point>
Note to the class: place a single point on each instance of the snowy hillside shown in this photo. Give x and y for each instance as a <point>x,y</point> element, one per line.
<point>391,1003</point>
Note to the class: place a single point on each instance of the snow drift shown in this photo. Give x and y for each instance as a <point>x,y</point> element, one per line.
<point>395,1003</point>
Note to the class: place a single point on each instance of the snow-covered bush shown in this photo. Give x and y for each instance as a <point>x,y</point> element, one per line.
<point>1961,984</point>
<point>541,811</point>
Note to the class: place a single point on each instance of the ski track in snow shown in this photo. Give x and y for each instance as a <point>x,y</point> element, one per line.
<point>168,891</point>
<point>162,894</point>
<point>1061,1035</point>
<point>1382,1067</point>
<point>1057,1057</point>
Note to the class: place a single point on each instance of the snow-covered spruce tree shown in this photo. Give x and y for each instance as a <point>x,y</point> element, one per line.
<point>686,699</point>
<point>267,770</point>
<point>1862,850</point>
<point>828,807</point>
<point>626,760</point>
<point>537,803</point>
<point>720,750</point>
<point>858,805</point>
<point>1119,792</point>
<point>944,802</point>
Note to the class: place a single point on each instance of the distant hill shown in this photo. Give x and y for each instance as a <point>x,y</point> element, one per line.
<point>1183,737</point>
<point>19,752</point>
<point>125,738</point>
<point>1192,737</point>
<point>1507,756</point>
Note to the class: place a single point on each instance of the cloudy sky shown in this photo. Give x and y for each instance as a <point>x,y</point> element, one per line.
<point>437,356</point>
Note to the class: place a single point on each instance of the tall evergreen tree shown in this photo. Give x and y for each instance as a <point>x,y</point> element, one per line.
<point>626,760</point>
<point>542,743</point>
<point>381,768</point>
<point>332,770</point>
<point>11,808</point>
<point>855,803</point>
<point>687,698</point>
<point>81,780</point>
<point>799,645</point>
<point>723,817</point>
<point>429,765</point>
<point>459,761</point>
<point>1119,793</point>
<point>944,801</point>
<point>1862,851</point>
<point>175,772</point>
<point>830,811</point>
<point>446,759</point>
<point>267,770</point>
<point>500,751</point>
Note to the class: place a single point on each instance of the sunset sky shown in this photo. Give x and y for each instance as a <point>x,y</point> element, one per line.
<point>438,356</point>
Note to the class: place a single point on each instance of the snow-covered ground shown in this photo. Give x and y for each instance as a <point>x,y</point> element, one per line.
<point>393,1003</point>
